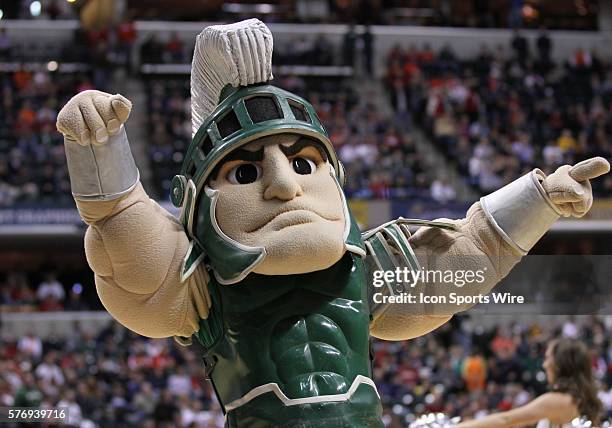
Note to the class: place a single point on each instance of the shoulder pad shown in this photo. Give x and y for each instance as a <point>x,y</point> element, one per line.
<point>387,248</point>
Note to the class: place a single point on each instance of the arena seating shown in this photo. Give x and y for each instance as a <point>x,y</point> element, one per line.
<point>116,377</point>
<point>500,114</point>
<point>32,161</point>
<point>379,158</point>
<point>493,116</point>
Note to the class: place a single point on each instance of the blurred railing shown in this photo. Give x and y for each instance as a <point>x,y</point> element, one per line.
<point>58,324</point>
<point>32,219</point>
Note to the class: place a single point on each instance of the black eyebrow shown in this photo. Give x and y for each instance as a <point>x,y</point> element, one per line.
<point>236,155</point>
<point>300,144</point>
<point>245,155</point>
<point>258,155</point>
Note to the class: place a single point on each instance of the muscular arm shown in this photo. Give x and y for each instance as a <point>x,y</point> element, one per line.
<point>493,237</point>
<point>135,248</point>
<point>475,245</point>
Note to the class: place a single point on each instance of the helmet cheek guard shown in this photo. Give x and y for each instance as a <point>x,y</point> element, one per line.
<point>246,114</point>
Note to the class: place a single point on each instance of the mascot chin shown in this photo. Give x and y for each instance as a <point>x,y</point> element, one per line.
<point>266,267</point>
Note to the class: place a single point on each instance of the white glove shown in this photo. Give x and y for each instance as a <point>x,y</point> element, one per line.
<point>90,117</point>
<point>569,188</point>
<point>100,162</point>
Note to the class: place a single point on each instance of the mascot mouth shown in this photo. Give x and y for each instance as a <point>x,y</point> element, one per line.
<point>292,217</point>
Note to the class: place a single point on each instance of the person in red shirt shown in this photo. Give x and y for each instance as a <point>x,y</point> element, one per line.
<point>126,36</point>
<point>174,47</point>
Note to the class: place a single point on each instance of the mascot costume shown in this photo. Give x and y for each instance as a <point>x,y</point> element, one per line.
<point>266,267</point>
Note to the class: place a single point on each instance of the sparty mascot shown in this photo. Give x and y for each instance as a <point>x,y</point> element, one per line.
<point>265,266</point>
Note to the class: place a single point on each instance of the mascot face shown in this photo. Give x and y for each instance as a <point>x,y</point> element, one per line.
<point>280,193</point>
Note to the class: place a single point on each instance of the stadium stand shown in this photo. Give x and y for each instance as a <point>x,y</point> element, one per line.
<point>374,147</point>
<point>36,80</point>
<point>374,152</point>
<point>493,116</point>
<point>32,160</point>
<point>115,377</point>
<point>498,115</point>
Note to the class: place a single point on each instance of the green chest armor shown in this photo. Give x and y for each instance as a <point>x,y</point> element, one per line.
<point>281,351</point>
<point>293,350</point>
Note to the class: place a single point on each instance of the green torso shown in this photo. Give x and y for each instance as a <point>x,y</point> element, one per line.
<point>295,337</point>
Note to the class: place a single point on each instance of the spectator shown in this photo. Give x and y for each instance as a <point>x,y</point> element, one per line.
<point>166,411</point>
<point>566,141</point>
<point>144,400</point>
<point>73,410</point>
<point>16,291</point>
<point>152,50</point>
<point>174,49</point>
<point>474,372</point>
<point>544,45</point>
<point>50,288</point>
<point>368,50</point>
<point>30,345</point>
<point>442,191</point>
<point>322,51</point>
<point>349,43</point>
<point>520,46</point>
<point>126,37</point>
<point>5,45</point>
<point>49,372</point>
<point>179,383</point>
<point>75,303</point>
<point>28,394</point>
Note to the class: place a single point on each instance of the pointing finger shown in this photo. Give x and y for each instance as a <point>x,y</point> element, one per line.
<point>590,168</point>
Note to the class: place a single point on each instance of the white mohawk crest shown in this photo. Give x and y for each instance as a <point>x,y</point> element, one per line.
<point>237,54</point>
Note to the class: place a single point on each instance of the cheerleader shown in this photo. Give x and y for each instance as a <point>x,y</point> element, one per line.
<point>573,393</point>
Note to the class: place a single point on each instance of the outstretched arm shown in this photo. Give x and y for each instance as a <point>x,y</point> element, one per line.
<point>473,246</point>
<point>135,247</point>
<point>556,407</point>
<point>493,237</point>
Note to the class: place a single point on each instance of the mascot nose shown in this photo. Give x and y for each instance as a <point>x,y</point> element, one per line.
<point>279,178</point>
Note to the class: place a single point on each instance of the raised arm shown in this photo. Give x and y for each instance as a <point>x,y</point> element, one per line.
<point>135,248</point>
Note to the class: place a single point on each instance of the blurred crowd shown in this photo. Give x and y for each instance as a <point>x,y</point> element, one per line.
<point>36,80</point>
<point>45,292</point>
<point>32,160</point>
<point>578,15</point>
<point>41,9</point>
<point>378,154</point>
<point>170,48</point>
<point>466,369</point>
<point>113,378</point>
<point>118,378</point>
<point>495,116</point>
<point>508,110</point>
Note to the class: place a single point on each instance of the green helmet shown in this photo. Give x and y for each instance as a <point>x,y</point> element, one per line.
<point>244,115</point>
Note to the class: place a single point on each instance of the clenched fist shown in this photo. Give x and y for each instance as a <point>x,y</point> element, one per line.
<point>569,188</point>
<point>90,117</point>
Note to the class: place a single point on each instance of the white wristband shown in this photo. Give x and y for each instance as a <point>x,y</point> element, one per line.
<point>103,171</point>
<point>521,211</point>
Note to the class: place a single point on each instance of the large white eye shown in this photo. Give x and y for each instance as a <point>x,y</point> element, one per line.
<point>303,166</point>
<point>244,173</point>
